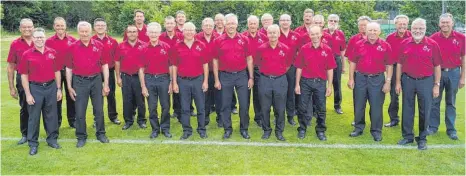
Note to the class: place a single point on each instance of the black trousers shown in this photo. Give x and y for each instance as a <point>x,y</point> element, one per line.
<point>394,106</point>
<point>312,94</point>
<point>45,97</point>
<point>23,112</point>
<point>70,112</point>
<point>256,98</point>
<point>273,92</point>
<point>86,88</point>
<point>214,99</point>
<point>191,89</point>
<point>293,99</point>
<point>337,84</point>
<point>423,90</point>
<point>111,102</point>
<point>158,90</point>
<point>366,89</point>
<point>230,82</point>
<point>132,93</point>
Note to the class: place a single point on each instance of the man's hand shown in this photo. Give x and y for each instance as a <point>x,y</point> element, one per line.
<point>297,89</point>
<point>72,94</point>
<point>435,91</point>
<point>176,89</point>
<point>59,95</point>
<point>119,82</point>
<point>218,85</point>
<point>328,92</point>
<point>250,83</point>
<point>105,91</point>
<point>351,84</point>
<point>13,93</point>
<point>205,86</point>
<point>145,92</point>
<point>386,87</point>
<point>30,99</point>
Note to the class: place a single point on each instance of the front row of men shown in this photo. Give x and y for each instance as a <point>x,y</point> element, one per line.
<point>157,70</point>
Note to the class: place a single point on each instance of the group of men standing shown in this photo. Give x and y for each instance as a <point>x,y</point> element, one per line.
<point>291,71</point>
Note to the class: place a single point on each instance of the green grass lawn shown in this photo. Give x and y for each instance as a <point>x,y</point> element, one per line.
<point>159,157</point>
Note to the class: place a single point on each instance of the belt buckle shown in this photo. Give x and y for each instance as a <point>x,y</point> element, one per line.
<point>447,69</point>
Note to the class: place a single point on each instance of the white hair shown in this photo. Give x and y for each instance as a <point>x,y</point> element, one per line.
<point>333,16</point>
<point>253,17</point>
<point>266,15</point>
<point>398,17</point>
<point>285,16</point>
<point>39,30</point>
<point>419,21</point>
<point>83,23</point>
<point>318,17</point>
<point>208,20</point>
<point>230,15</point>
<point>273,27</point>
<point>375,24</point>
<point>446,15</point>
<point>154,26</point>
<point>189,25</point>
<point>25,20</point>
<point>361,18</point>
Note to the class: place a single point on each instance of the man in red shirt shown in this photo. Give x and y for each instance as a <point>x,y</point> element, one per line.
<point>273,58</point>
<point>191,71</point>
<point>127,62</point>
<point>452,45</point>
<point>395,39</point>
<point>180,20</point>
<point>255,40</point>
<point>307,22</point>
<point>139,23</point>
<point>372,57</point>
<point>338,47</point>
<point>86,59</point>
<point>154,75</point>
<point>100,28</point>
<point>266,20</point>
<point>40,76</point>
<point>15,53</point>
<point>419,62</point>
<point>231,58</point>
<point>219,24</point>
<point>60,42</point>
<point>315,64</point>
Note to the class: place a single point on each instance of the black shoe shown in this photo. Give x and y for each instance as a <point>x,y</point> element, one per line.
<point>431,132</point>
<point>377,137</point>
<point>174,115</point>
<point>301,134</point>
<point>291,121</point>
<point>245,135</point>
<point>81,143</point>
<point>102,138</point>
<point>234,111</point>
<point>22,140</point>
<point>391,124</point>
<point>185,136</point>
<point>203,135</point>
<point>116,121</point>
<point>154,134</point>
<point>355,133</point>
<point>405,141</point>
<point>453,136</point>
<point>227,135</point>
<point>55,146</point>
<point>143,126</point>
<point>193,114</point>
<point>339,111</point>
<point>207,123</point>
<point>279,136</point>
<point>167,134</point>
<point>73,125</point>
<point>259,123</point>
<point>321,136</point>
<point>422,145</point>
<point>127,126</point>
<point>220,125</point>
<point>33,151</point>
<point>266,135</point>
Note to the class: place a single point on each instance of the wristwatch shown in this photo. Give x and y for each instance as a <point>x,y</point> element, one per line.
<point>437,84</point>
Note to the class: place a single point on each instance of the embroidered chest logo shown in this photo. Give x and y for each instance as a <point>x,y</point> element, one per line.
<point>281,53</point>
<point>426,49</point>
<point>240,42</point>
<point>324,41</point>
<point>51,56</point>
<point>140,47</point>
<point>198,48</point>
<point>69,43</point>
<point>380,48</point>
<point>95,49</point>
<point>337,38</point>
<point>260,41</point>
<point>324,54</point>
<point>178,40</point>
<point>455,42</point>
<point>109,42</point>
<point>163,52</point>
<point>294,38</point>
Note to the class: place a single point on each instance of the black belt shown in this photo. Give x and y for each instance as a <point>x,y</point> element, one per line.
<point>87,77</point>
<point>189,78</point>
<point>44,84</point>
<point>421,78</point>
<point>272,77</point>
<point>370,75</point>
<point>312,79</point>
<point>156,76</point>
<point>232,72</point>
<point>128,74</point>
<point>448,69</point>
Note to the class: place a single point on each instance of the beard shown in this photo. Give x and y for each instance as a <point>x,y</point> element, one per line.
<point>418,37</point>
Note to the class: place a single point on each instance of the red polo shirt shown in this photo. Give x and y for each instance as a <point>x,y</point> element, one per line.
<point>352,42</point>
<point>209,45</point>
<point>273,61</point>
<point>315,61</point>
<point>255,42</point>
<point>293,41</point>
<point>178,29</point>
<point>419,60</point>
<point>130,56</point>
<point>39,67</point>
<point>339,41</point>
<point>395,42</point>
<point>452,48</point>
<point>178,37</point>
<point>301,30</point>
<point>326,39</point>
<point>111,45</point>
<point>189,61</point>
<point>263,31</point>
<point>231,52</point>
<point>372,58</point>
<point>142,34</point>
<point>219,34</point>
<point>17,49</point>
<point>61,46</point>
<point>86,60</point>
<point>155,59</point>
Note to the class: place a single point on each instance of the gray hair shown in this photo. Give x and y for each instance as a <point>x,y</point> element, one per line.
<point>361,18</point>
<point>284,16</point>
<point>253,17</point>
<point>273,26</point>
<point>154,26</point>
<point>41,30</point>
<point>399,17</point>
<point>373,24</point>
<point>189,25</point>
<point>419,20</point>
<point>230,15</point>
<point>83,23</point>
<point>333,16</point>
<point>266,15</point>
<point>318,17</point>
<point>446,15</point>
<point>169,18</point>
<point>25,20</point>
<point>59,19</point>
<point>208,20</point>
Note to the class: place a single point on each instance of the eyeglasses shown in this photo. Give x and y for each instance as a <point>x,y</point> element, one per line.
<point>335,21</point>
